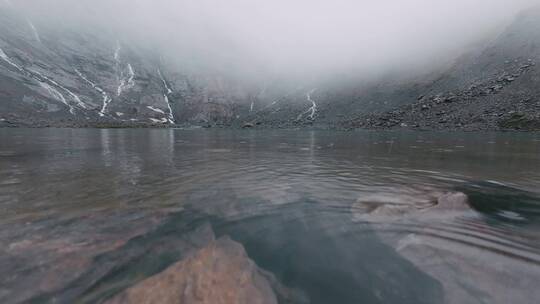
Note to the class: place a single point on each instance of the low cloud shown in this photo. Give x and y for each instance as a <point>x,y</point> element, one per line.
<point>306,38</point>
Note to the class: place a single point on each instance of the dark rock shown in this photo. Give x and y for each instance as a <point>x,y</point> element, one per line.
<point>450,99</point>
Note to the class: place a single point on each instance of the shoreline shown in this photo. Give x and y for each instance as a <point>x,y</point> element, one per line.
<point>271,128</point>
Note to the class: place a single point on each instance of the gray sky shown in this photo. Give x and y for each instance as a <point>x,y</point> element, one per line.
<point>297,36</point>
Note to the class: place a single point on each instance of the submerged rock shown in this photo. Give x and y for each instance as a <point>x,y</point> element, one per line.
<point>220,273</point>
<point>471,258</point>
<point>454,201</point>
<point>432,205</point>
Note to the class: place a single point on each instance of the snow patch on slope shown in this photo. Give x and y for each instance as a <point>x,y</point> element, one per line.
<point>163,120</point>
<point>156,110</point>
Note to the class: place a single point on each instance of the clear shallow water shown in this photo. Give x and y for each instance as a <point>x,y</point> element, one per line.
<point>344,217</point>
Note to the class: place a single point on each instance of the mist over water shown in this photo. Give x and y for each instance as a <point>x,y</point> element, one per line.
<point>301,38</point>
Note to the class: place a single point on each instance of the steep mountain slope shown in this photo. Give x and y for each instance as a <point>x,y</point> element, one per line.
<point>496,89</point>
<point>64,77</point>
<point>53,76</point>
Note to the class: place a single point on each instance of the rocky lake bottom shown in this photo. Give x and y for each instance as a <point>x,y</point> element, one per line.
<point>243,216</point>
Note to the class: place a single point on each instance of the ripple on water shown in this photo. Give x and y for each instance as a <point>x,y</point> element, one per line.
<point>346,218</point>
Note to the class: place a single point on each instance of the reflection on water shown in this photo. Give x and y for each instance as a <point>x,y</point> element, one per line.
<point>365,217</point>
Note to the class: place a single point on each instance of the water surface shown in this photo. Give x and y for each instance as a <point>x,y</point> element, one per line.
<point>343,217</point>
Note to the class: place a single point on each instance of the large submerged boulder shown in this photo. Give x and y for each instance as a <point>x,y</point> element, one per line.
<point>220,273</point>
<point>439,205</point>
<point>453,201</point>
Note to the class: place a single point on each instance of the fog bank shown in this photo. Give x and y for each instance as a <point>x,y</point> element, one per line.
<point>292,37</point>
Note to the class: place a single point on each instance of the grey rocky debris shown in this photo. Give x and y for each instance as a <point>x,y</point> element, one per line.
<point>477,107</point>
<point>496,89</point>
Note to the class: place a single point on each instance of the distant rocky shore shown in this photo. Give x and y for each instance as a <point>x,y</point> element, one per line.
<point>474,108</point>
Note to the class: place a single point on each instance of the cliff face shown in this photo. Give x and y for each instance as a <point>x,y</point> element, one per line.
<point>59,77</point>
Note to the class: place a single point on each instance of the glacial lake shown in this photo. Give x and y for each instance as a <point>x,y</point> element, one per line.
<point>341,217</point>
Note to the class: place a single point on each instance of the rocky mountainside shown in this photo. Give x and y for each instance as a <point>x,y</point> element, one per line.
<point>53,76</point>
<point>497,89</point>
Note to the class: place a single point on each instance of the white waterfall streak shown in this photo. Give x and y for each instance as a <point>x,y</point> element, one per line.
<point>130,82</point>
<point>261,93</point>
<point>120,87</point>
<point>263,90</point>
<point>76,98</point>
<point>166,97</point>
<point>47,83</point>
<point>34,31</point>
<point>170,115</point>
<point>117,52</point>
<point>106,98</point>
<point>69,92</point>
<point>313,108</point>
<point>268,106</point>
<point>279,99</point>
<point>312,111</point>
<point>123,82</point>
<point>169,91</point>
<point>126,84</point>
<point>57,95</point>
<point>5,57</point>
